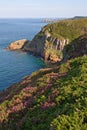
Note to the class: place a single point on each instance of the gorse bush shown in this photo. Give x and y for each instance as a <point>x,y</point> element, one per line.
<point>72,99</point>
<point>75,121</point>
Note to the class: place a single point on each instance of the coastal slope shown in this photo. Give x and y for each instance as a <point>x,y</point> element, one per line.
<point>50,99</point>
<point>51,40</point>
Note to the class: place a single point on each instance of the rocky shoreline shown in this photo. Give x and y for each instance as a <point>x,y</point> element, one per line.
<point>50,42</point>
<point>40,46</point>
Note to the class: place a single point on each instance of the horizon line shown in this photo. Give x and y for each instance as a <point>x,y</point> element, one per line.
<point>54,17</point>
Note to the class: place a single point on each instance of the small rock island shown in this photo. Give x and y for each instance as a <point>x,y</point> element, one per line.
<point>19,44</point>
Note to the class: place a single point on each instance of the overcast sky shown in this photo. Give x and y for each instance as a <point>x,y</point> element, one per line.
<point>42,8</point>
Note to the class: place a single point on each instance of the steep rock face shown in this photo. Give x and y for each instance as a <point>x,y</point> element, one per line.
<point>53,48</point>
<point>19,44</point>
<point>76,48</point>
<point>47,46</point>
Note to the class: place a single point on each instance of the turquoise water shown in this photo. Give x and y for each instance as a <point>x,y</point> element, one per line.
<point>14,65</point>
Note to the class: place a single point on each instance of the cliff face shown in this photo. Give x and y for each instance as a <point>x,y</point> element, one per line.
<point>51,40</point>
<point>76,48</point>
<point>47,46</point>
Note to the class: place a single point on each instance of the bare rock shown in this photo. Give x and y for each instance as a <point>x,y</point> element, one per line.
<point>17,45</point>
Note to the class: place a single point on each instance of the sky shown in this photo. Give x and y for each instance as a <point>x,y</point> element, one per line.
<point>42,8</point>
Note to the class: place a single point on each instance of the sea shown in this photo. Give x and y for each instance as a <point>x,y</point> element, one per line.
<point>15,65</point>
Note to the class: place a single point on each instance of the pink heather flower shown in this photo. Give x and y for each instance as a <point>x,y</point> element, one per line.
<point>47,105</point>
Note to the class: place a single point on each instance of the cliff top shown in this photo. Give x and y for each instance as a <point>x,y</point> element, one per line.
<point>67,28</point>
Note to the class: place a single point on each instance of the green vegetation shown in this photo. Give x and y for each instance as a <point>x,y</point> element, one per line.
<point>70,29</point>
<point>54,98</point>
<point>73,99</point>
<point>76,48</point>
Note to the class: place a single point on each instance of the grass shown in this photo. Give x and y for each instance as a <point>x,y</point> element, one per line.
<point>71,29</point>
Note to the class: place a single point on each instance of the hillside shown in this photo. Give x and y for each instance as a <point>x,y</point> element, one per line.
<point>53,98</point>
<point>79,17</point>
<point>51,40</point>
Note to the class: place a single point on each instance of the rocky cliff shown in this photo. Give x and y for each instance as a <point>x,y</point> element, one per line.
<point>51,40</point>
<point>48,47</point>
<point>76,48</point>
<point>19,44</point>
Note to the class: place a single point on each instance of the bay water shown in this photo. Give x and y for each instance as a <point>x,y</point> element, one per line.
<point>15,65</point>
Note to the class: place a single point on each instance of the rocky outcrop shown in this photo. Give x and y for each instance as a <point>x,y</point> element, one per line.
<point>17,44</point>
<point>76,48</point>
<point>43,44</point>
<point>47,46</point>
